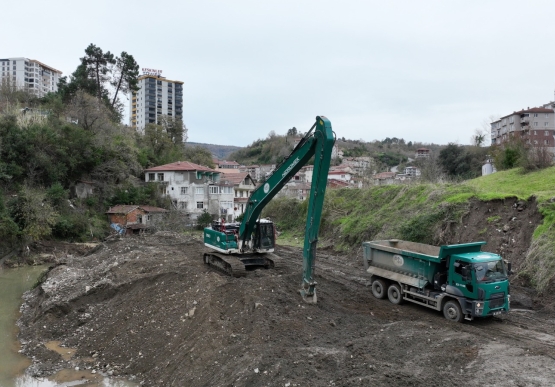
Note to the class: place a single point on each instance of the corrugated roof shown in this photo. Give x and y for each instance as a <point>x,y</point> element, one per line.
<point>153,209</point>
<point>234,178</point>
<point>122,209</point>
<point>181,166</point>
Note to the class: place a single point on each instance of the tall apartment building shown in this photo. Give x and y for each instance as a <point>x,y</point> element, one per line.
<point>536,126</point>
<point>157,96</point>
<point>30,74</point>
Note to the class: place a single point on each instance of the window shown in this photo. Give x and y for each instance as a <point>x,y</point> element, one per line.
<point>214,189</point>
<point>535,114</point>
<point>199,191</point>
<point>535,123</point>
<point>200,204</point>
<point>226,204</point>
<point>546,142</point>
<point>227,190</point>
<point>160,177</point>
<point>546,133</point>
<point>546,124</point>
<point>183,205</point>
<point>546,115</point>
<point>184,190</point>
<point>535,132</point>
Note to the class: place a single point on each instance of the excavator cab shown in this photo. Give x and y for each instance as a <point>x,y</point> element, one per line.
<point>264,236</point>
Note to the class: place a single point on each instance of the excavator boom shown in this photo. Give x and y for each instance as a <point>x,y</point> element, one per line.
<point>254,235</point>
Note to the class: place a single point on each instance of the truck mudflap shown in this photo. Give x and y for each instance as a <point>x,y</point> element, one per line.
<point>397,277</point>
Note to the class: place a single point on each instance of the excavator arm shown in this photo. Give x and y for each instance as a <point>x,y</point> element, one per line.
<point>318,142</point>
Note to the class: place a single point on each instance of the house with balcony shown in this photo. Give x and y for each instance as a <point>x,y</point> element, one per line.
<point>535,126</point>
<point>243,185</point>
<point>193,188</point>
<point>422,153</point>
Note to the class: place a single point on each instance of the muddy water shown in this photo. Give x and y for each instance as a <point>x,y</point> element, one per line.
<point>13,283</point>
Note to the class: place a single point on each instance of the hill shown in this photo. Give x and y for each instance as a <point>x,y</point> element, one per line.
<point>222,152</point>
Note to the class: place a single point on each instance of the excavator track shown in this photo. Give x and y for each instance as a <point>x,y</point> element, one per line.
<point>236,266</point>
<point>227,264</point>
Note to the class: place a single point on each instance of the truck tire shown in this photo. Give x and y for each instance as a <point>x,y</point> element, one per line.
<point>395,294</point>
<point>452,311</point>
<point>379,288</point>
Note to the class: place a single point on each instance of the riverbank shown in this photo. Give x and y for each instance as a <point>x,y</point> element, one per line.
<point>147,309</point>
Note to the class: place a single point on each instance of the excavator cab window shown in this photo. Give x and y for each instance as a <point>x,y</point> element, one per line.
<point>264,236</point>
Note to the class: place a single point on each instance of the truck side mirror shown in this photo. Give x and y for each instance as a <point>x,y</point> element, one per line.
<point>509,271</point>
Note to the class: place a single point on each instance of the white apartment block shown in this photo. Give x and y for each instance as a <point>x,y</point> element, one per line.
<point>194,188</point>
<point>157,96</point>
<point>536,126</point>
<point>30,74</point>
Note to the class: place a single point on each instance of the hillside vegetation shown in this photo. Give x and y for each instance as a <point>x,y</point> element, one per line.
<point>423,213</point>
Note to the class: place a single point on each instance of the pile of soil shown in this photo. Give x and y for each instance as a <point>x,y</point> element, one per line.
<point>147,308</point>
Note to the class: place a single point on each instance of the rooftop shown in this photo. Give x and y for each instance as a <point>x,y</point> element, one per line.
<point>181,166</point>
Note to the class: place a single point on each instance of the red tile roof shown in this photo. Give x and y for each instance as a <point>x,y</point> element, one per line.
<point>533,110</point>
<point>181,166</point>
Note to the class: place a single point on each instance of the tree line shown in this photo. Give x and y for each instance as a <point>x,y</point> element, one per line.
<point>48,145</point>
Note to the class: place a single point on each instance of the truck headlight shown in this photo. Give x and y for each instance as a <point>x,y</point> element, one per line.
<point>478,305</point>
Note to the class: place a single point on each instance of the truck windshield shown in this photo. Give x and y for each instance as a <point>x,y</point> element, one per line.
<point>490,271</point>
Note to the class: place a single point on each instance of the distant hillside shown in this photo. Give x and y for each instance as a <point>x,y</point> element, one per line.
<point>222,152</point>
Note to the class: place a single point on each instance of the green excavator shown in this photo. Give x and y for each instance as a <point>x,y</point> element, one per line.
<point>237,247</point>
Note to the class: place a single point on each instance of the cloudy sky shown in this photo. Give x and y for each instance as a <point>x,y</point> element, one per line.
<point>429,71</point>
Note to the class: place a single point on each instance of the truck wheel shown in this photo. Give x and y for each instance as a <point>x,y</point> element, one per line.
<point>452,311</point>
<point>395,294</point>
<point>378,288</point>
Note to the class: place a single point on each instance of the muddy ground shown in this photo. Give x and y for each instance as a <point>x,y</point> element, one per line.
<point>146,308</point>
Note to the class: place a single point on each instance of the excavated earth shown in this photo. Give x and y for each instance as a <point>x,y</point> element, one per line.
<point>146,308</point>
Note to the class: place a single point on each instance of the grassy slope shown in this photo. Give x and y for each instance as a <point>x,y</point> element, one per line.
<point>416,212</point>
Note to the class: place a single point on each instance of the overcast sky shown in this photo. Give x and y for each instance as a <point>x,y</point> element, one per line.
<point>429,71</point>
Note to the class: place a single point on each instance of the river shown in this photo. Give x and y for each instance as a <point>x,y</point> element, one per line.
<point>13,283</point>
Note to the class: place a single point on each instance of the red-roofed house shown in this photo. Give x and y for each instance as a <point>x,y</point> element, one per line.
<point>243,185</point>
<point>192,188</point>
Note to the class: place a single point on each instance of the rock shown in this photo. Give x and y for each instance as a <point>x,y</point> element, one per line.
<point>192,312</point>
<point>87,288</point>
<point>257,305</point>
<point>256,370</point>
<point>506,228</point>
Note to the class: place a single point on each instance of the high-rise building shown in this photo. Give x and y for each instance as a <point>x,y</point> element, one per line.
<point>156,97</point>
<point>30,74</point>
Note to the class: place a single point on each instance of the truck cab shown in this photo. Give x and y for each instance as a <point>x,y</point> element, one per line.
<point>481,280</point>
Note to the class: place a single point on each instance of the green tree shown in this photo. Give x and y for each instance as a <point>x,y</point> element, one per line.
<point>125,75</point>
<point>198,155</point>
<point>97,64</point>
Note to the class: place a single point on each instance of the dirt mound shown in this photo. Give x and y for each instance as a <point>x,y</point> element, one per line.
<point>148,309</point>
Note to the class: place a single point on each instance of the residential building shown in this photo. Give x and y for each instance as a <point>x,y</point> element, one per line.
<point>193,188</point>
<point>384,178</point>
<point>536,126</point>
<point>252,170</point>
<point>412,171</point>
<point>226,166</point>
<point>340,174</point>
<point>243,185</point>
<point>30,74</point>
<point>156,97</point>
<point>422,153</point>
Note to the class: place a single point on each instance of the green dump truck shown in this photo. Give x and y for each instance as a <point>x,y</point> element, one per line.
<point>460,280</point>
